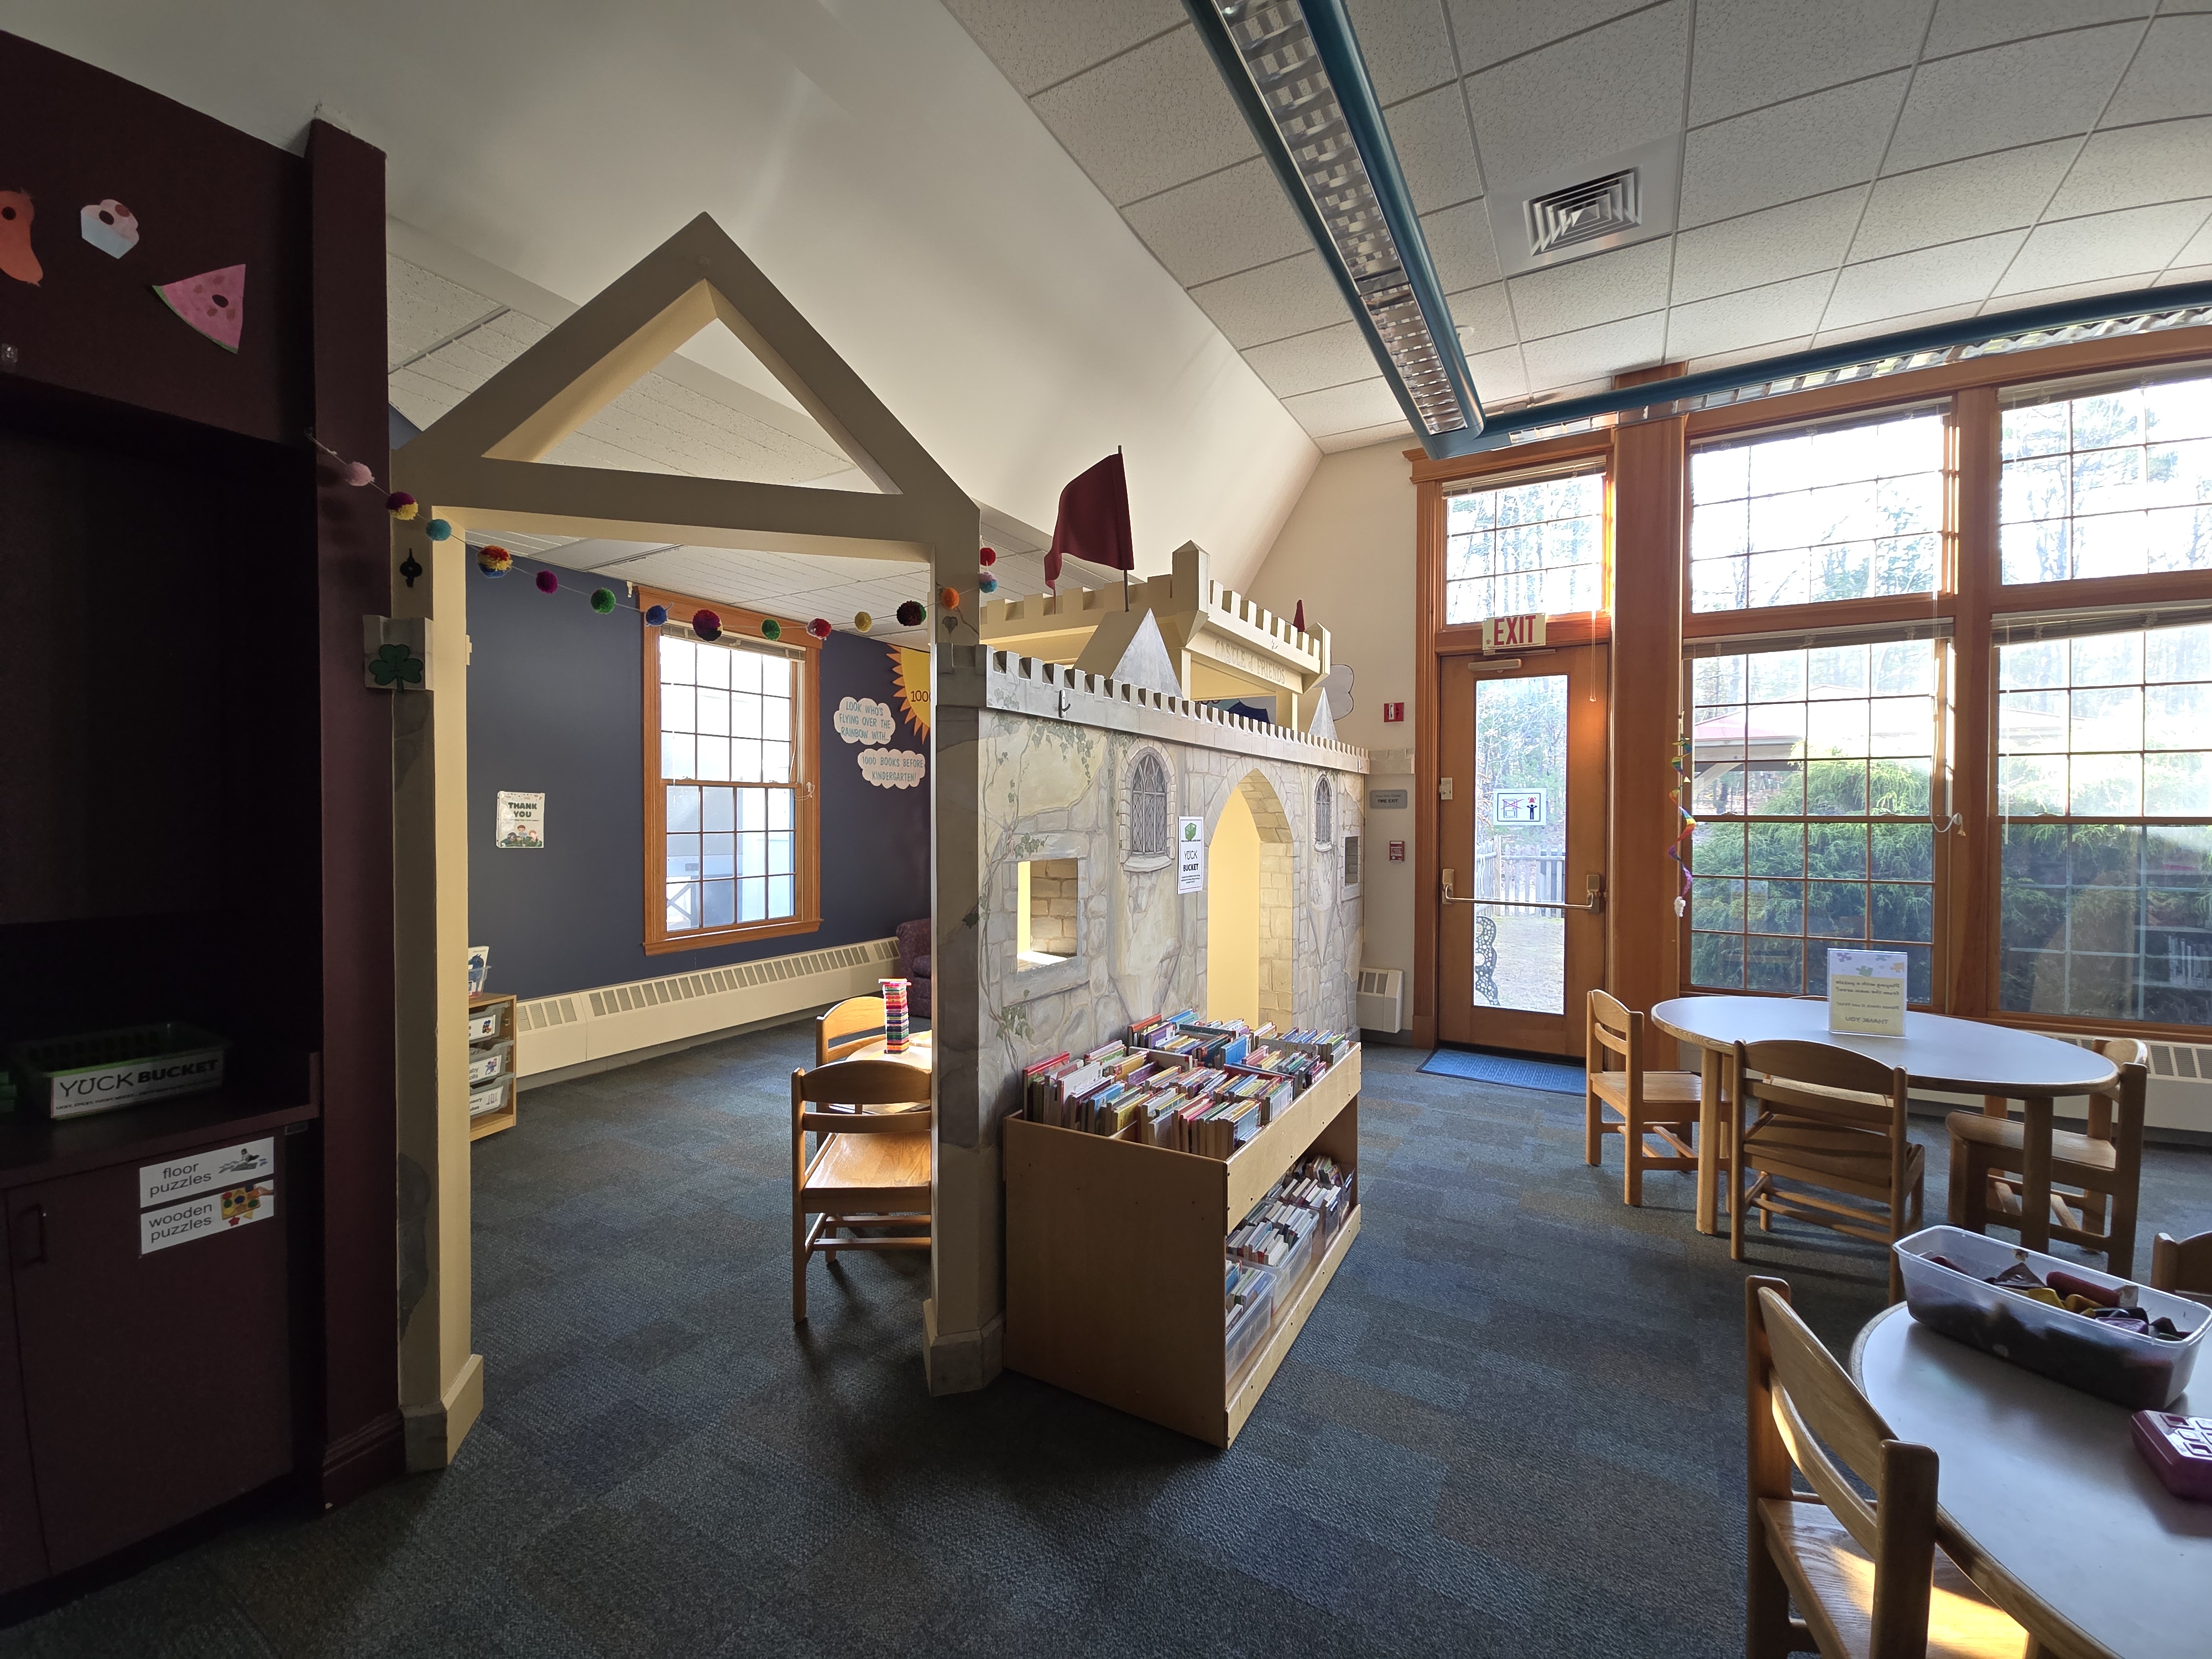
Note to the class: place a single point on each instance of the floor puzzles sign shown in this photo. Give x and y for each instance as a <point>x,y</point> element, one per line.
<point>893,769</point>
<point>865,721</point>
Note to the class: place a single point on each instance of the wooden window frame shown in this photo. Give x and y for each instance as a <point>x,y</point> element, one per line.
<point>806,754</point>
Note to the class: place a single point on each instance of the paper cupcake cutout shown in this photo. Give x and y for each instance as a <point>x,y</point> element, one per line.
<point>213,302</point>
<point>15,256</point>
<point>110,226</point>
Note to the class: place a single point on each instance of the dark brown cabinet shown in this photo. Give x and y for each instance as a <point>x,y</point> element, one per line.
<point>22,1548</point>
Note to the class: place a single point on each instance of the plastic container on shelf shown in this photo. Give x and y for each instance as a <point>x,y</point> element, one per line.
<point>488,1060</point>
<point>484,1022</point>
<point>102,1071</point>
<point>2141,1373</point>
<point>488,1097</point>
<point>1252,1323</point>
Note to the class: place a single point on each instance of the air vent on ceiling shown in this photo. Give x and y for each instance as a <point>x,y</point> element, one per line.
<point>1583,212</point>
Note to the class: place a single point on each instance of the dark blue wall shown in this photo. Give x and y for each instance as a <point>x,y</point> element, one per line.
<point>554,705</point>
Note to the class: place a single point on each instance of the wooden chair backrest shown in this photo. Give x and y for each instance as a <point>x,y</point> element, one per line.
<point>2182,1265</point>
<point>861,1083</point>
<point>852,1024</point>
<point>2132,1056</point>
<point>1614,1028</point>
<point>1837,1084</point>
<point>1816,1407</point>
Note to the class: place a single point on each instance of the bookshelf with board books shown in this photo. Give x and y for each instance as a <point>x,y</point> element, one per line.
<point>1177,1203</point>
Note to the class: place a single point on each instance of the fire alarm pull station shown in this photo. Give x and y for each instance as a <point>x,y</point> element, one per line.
<point>1393,712</point>
<point>1397,852</point>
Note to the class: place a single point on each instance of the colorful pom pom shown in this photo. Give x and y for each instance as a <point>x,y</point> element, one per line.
<point>911,613</point>
<point>988,557</point>
<point>655,615</point>
<point>548,582</point>
<point>771,629</point>
<point>707,625</point>
<point>863,623</point>
<point>602,600</point>
<point>948,598</point>
<point>819,627</point>
<point>358,475</point>
<point>401,505</point>
<point>437,529</point>
<point>494,561</point>
<point>987,583</point>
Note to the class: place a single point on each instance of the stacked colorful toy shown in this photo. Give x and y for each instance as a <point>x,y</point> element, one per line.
<point>894,1025</point>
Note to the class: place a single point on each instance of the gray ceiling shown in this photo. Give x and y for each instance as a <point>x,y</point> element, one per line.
<point>1847,169</point>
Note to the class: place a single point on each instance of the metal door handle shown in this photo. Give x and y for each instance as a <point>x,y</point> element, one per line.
<point>1595,903</point>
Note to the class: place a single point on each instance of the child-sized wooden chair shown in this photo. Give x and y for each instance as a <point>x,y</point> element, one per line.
<point>870,1169</point>
<point>852,1024</point>
<point>2183,1266</point>
<point>1632,1103</point>
<point>1868,1578</point>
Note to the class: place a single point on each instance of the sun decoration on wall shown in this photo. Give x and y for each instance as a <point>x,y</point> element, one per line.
<point>910,673</point>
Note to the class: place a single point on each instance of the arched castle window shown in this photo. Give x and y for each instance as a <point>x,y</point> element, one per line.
<point>1150,832</point>
<point>1324,815</point>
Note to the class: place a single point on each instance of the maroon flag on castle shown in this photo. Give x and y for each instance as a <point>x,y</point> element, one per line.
<point>1093,525</point>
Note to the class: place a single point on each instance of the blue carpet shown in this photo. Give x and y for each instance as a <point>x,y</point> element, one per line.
<point>1514,1072</point>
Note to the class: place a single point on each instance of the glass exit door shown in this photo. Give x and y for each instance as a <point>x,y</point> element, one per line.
<point>1521,936</point>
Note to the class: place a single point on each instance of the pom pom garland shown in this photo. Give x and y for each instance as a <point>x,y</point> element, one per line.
<point>988,557</point>
<point>437,529</point>
<point>819,627</point>
<point>948,598</point>
<point>863,623</point>
<point>548,582</point>
<point>494,561</point>
<point>602,600</point>
<point>358,475</point>
<point>656,615</point>
<point>707,625</point>
<point>401,505</point>
<point>987,583</point>
<point>771,629</point>
<point>911,614</point>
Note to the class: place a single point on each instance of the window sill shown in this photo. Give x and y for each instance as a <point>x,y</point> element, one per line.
<point>743,934</point>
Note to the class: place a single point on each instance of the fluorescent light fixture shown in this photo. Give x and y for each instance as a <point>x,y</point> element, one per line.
<point>1295,71</point>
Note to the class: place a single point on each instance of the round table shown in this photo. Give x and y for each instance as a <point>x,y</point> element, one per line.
<point>1964,1056</point>
<point>920,1052</point>
<point>2058,1517</point>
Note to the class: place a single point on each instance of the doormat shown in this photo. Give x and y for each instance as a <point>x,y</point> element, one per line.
<point>1552,1077</point>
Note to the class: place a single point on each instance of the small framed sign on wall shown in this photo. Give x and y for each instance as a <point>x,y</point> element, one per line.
<point>520,824</point>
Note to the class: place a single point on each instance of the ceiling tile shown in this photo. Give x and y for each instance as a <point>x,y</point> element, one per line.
<point>1034,46</point>
<point>2144,239</point>
<point>1460,246</point>
<point>1311,362</point>
<point>2021,300</point>
<point>2135,167</point>
<point>1224,222</point>
<point>2172,74</point>
<point>1490,31</point>
<point>2007,95</point>
<point>1345,407</point>
<point>2179,274</point>
<point>1435,150</point>
<point>1755,354</point>
<point>1612,89</point>
<point>422,308</point>
<point>1755,52</point>
<point>1766,247</point>
<point>2199,251</point>
<point>1484,319</point>
<point>1291,296</point>
<point>1148,120</point>
<point>1886,326</point>
<point>1404,46</point>
<point>1361,437</point>
<point>1602,288</point>
<point>1963,25</point>
<point>1803,148</point>
<point>1592,353</point>
<point>1758,316</point>
<point>1498,376</point>
<point>1959,199</point>
<point>1955,274</point>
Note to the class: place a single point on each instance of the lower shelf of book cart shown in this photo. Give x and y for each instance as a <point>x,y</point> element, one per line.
<point>1115,1257</point>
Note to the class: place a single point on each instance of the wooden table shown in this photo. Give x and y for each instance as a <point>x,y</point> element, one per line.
<point>919,1052</point>
<point>2056,1516</point>
<point>1956,1056</point>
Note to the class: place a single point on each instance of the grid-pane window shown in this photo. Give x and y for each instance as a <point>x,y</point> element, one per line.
<point>1845,512</point>
<point>727,766</point>
<point>2105,797</point>
<point>1149,835</point>
<point>1811,777</point>
<point>1523,547</point>
<point>2116,483</point>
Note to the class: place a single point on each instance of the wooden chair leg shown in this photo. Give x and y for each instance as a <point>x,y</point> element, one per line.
<point>1767,1634</point>
<point>1632,1163</point>
<point>1736,1205</point>
<point>1593,1128</point>
<point>1955,1209</point>
<point>797,1263</point>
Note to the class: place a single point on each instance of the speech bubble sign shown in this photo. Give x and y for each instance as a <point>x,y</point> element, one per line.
<point>893,769</point>
<point>864,720</point>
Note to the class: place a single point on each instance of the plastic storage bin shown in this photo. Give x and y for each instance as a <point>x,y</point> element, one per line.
<point>488,1097</point>
<point>2138,1373</point>
<point>488,1061</point>
<point>1253,1321</point>
<point>102,1071</point>
<point>484,1022</point>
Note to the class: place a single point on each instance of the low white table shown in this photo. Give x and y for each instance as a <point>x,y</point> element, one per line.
<point>2058,1519</point>
<point>1964,1056</point>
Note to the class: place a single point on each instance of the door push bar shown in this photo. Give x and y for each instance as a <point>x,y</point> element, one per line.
<point>1593,888</point>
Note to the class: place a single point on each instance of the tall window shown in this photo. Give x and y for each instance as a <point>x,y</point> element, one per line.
<point>1812,771</point>
<point>730,820</point>
<point>1150,837</point>
<point>1519,548</point>
<point>2105,803</point>
<point>2114,482</point>
<point>1849,511</point>
<point>1324,813</point>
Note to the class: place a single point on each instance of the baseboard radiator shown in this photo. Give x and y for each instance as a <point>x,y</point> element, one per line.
<point>2179,1093</point>
<point>556,1032</point>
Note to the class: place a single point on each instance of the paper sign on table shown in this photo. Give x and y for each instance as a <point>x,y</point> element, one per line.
<point>1866,993</point>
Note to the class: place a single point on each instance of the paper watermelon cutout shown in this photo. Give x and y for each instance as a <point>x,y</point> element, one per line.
<point>213,302</point>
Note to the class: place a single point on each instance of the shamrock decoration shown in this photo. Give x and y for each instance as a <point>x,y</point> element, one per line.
<point>393,665</point>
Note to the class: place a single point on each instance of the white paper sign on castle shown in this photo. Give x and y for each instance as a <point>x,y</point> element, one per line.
<point>863,720</point>
<point>893,769</point>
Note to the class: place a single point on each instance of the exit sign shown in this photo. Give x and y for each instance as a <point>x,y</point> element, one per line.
<point>1512,633</point>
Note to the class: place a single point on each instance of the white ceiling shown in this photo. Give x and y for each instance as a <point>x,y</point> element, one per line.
<point>1847,169</point>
